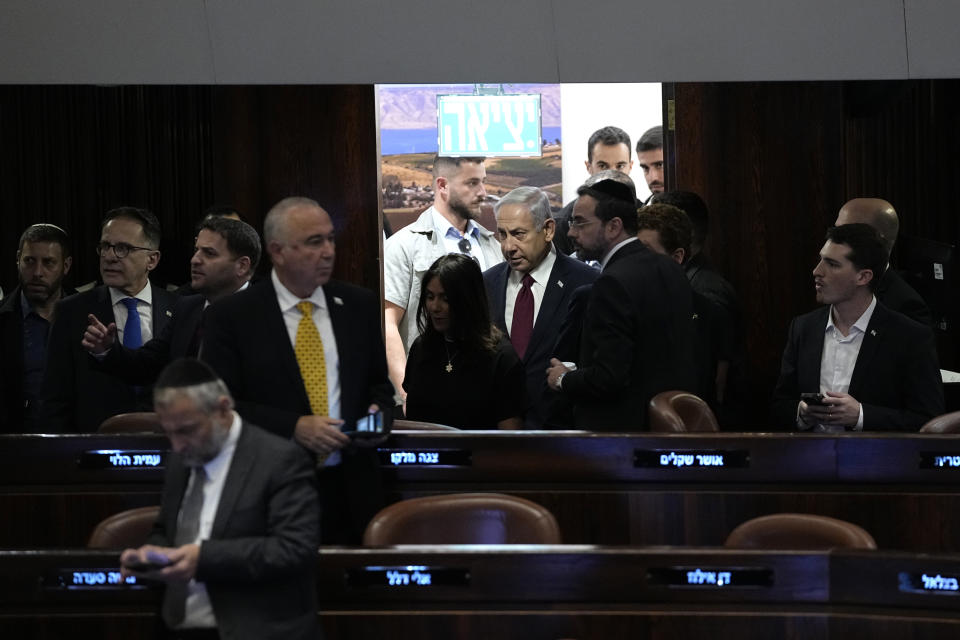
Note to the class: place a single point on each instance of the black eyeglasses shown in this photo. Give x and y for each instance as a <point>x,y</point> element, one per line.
<point>120,249</point>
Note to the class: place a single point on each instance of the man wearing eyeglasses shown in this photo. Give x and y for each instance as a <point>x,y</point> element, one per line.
<point>637,336</point>
<point>449,226</point>
<point>76,398</point>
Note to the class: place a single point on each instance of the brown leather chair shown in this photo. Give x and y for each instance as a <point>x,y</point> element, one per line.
<point>140,422</point>
<point>414,425</point>
<point>799,531</point>
<point>127,529</point>
<point>680,412</point>
<point>465,518</point>
<point>947,423</point>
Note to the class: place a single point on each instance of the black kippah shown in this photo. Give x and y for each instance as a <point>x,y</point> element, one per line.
<point>185,372</point>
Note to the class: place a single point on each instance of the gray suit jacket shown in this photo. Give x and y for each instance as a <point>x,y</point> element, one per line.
<point>258,565</point>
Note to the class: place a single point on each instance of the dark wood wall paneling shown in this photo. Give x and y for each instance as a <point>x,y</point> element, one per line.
<point>68,154</point>
<point>775,161</point>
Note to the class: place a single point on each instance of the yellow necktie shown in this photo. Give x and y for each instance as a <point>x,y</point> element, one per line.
<point>313,364</point>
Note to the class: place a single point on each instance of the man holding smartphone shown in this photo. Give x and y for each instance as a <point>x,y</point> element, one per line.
<point>854,364</point>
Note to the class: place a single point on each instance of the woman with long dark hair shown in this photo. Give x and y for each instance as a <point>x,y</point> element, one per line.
<point>461,371</point>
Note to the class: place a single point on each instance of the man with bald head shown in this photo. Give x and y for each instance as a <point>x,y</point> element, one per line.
<point>892,290</point>
<point>304,358</point>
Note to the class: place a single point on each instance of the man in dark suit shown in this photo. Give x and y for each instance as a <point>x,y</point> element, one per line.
<point>236,539</point>
<point>875,368</point>
<point>892,290</point>
<point>43,260</point>
<point>304,357</point>
<point>637,328</point>
<point>76,398</point>
<point>225,257</point>
<point>530,293</point>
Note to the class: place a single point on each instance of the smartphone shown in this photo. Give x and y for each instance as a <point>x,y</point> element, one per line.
<point>369,425</point>
<point>146,566</point>
<point>813,398</point>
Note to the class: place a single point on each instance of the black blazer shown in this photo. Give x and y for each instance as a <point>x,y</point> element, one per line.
<point>897,295</point>
<point>567,274</point>
<point>177,340</point>
<point>258,564</point>
<point>11,364</point>
<point>77,398</point>
<point>637,341</point>
<point>896,377</point>
<point>245,340</point>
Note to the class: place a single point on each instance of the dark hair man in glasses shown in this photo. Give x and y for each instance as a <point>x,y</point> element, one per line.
<point>43,260</point>
<point>76,398</point>
<point>449,226</point>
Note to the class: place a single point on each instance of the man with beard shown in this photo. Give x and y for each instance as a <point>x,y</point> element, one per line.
<point>43,259</point>
<point>650,159</point>
<point>864,366</point>
<point>449,226</point>
<point>225,257</point>
<point>637,331</point>
<point>236,539</point>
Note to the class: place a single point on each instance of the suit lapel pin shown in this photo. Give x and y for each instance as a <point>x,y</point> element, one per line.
<point>560,283</point>
<point>337,300</point>
<point>873,332</point>
<point>169,313</point>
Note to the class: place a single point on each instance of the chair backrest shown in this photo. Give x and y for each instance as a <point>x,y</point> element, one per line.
<point>799,531</point>
<point>947,423</point>
<point>465,518</point>
<point>139,422</point>
<point>680,412</point>
<point>127,529</point>
<point>414,425</point>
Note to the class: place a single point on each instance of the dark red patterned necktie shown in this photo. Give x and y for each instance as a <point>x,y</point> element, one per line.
<point>522,317</point>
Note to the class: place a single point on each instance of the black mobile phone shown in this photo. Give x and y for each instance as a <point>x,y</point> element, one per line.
<point>370,425</point>
<point>813,398</point>
<point>146,566</point>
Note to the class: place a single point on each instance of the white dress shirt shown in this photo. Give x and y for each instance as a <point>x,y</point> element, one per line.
<point>199,612</point>
<point>540,275</point>
<point>451,237</point>
<point>144,308</point>
<point>839,358</point>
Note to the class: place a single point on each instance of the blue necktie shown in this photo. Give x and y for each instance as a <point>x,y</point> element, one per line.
<point>131,329</point>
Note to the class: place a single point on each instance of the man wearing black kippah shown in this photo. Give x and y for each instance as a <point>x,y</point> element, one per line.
<point>237,535</point>
<point>637,332</point>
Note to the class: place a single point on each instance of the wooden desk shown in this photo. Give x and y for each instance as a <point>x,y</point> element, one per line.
<point>535,592</point>
<point>595,484</point>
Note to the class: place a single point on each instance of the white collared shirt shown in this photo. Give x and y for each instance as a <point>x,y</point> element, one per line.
<point>616,247</point>
<point>839,358</point>
<point>144,308</point>
<point>199,611</point>
<point>450,236</point>
<point>540,275</point>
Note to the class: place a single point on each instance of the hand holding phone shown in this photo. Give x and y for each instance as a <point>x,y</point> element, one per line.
<point>813,399</point>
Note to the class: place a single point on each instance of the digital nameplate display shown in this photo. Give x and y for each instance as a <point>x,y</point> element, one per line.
<point>929,582</point>
<point>90,579</point>
<point>416,577</point>
<point>425,457</point>
<point>709,577</point>
<point>122,459</point>
<point>691,458</point>
<point>939,460</point>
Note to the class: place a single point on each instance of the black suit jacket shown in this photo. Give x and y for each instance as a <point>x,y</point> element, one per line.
<point>11,364</point>
<point>894,292</point>
<point>896,378</point>
<point>245,340</point>
<point>567,274</point>
<point>258,564</point>
<point>637,341</point>
<point>177,340</point>
<point>77,398</point>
